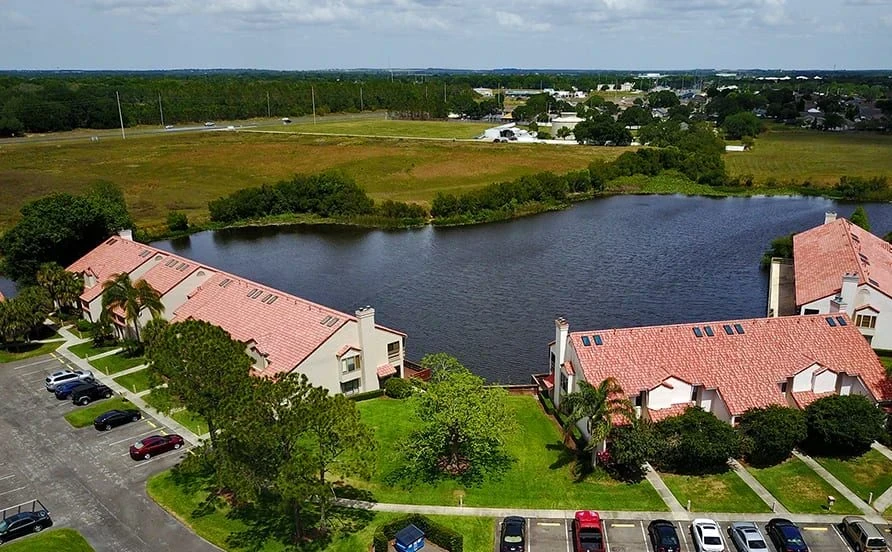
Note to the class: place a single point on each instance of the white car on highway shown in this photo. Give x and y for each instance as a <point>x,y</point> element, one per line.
<point>707,536</point>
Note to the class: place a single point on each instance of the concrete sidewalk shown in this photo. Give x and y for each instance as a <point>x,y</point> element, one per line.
<point>865,508</point>
<point>757,487</point>
<point>660,486</point>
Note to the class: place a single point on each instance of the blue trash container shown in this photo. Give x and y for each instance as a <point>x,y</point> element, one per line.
<point>409,539</point>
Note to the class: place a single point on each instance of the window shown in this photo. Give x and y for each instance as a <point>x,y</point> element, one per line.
<point>350,387</point>
<point>349,364</point>
<point>739,328</point>
<point>393,349</point>
<point>728,329</point>
<point>586,341</point>
<point>866,321</point>
<point>693,392</point>
<point>830,321</point>
<point>708,330</point>
<point>810,311</point>
<point>598,340</point>
<point>784,387</point>
<point>638,400</point>
<point>697,332</point>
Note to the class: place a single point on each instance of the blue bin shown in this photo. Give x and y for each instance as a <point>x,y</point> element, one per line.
<point>409,539</point>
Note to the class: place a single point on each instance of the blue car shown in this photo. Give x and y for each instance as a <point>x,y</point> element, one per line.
<point>786,536</point>
<point>63,390</point>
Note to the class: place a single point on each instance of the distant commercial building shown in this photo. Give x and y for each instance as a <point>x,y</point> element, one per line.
<point>485,92</point>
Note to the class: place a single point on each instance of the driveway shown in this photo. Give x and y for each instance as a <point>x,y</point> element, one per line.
<point>84,477</point>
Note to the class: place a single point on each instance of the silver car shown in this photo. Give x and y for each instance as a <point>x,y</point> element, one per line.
<point>746,537</point>
<point>63,376</point>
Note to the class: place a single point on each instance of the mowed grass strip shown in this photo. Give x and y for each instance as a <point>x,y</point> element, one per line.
<point>52,540</point>
<point>800,489</point>
<point>389,128</point>
<point>135,382</point>
<point>541,477</point>
<point>21,351</point>
<point>162,400</point>
<point>119,362</point>
<point>723,492</point>
<point>84,416</point>
<point>184,498</point>
<point>86,349</point>
<point>193,422</point>
<point>869,473</point>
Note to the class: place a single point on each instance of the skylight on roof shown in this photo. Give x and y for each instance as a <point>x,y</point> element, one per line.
<point>332,321</point>
<point>326,319</point>
<point>841,321</point>
<point>256,293</point>
<point>708,330</point>
<point>598,340</point>
<point>170,262</point>
<point>586,341</point>
<point>225,282</point>
<point>697,332</point>
<point>272,299</point>
<point>251,293</point>
<point>873,282</point>
<point>830,321</point>
<point>854,237</point>
<point>739,328</point>
<point>265,297</point>
<point>182,266</point>
<point>110,241</point>
<point>728,329</point>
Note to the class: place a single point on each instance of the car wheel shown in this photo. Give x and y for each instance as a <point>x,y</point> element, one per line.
<point>177,445</point>
<point>83,401</point>
<point>38,528</point>
<point>107,427</point>
<point>107,394</point>
<point>135,418</point>
<point>146,456</point>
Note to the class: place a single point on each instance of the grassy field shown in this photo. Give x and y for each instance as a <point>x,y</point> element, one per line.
<point>113,364</point>
<point>135,382</point>
<point>163,172</point>
<point>800,489</point>
<point>53,540</point>
<point>193,422</point>
<point>86,349</point>
<point>160,399</point>
<point>380,127</point>
<point>82,417</point>
<point>821,157</point>
<point>226,529</point>
<point>542,476</point>
<point>26,350</point>
<point>865,474</point>
<point>725,492</point>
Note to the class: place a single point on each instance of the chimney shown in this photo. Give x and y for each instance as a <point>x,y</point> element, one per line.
<point>365,318</point>
<point>126,234</point>
<point>837,305</point>
<point>561,332</point>
<point>849,287</point>
<point>829,217</point>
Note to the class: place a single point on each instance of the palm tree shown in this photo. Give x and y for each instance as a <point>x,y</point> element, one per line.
<point>120,292</point>
<point>64,287</point>
<point>600,406</point>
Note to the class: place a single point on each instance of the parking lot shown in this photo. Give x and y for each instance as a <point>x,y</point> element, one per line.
<point>85,477</point>
<point>551,535</point>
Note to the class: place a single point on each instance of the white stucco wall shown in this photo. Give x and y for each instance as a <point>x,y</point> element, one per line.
<point>803,380</point>
<point>825,382</point>
<point>707,397</point>
<point>851,385</point>
<point>719,408</point>
<point>662,396</point>
<point>573,380</point>
<point>865,295</point>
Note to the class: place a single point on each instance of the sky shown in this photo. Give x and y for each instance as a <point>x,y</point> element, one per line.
<point>457,34</point>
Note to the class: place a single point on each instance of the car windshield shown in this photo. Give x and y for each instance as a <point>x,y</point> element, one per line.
<point>668,536</point>
<point>590,536</point>
<point>138,444</point>
<point>757,545</point>
<point>513,539</point>
<point>3,525</point>
<point>791,535</point>
<point>712,540</point>
<point>876,543</point>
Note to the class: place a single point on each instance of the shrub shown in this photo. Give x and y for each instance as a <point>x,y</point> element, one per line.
<point>434,532</point>
<point>630,447</point>
<point>780,247</point>
<point>695,442</point>
<point>842,425</point>
<point>398,388</point>
<point>770,434</point>
<point>83,325</point>
<point>177,221</point>
<point>358,397</point>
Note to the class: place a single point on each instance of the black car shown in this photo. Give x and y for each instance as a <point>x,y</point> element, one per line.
<point>114,418</point>
<point>514,531</point>
<point>21,524</point>
<point>89,392</point>
<point>786,536</point>
<point>663,536</point>
<point>63,390</point>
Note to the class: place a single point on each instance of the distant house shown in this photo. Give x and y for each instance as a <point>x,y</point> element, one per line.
<point>485,92</point>
<point>507,133</point>
<point>567,120</point>
<point>724,367</point>
<point>281,332</point>
<point>841,268</point>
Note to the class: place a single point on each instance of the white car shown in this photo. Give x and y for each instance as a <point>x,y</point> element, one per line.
<point>63,376</point>
<point>210,124</point>
<point>747,537</point>
<point>707,535</point>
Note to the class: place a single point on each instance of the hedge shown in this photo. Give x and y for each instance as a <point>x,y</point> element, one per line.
<point>398,388</point>
<point>434,532</point>
<point>367,395</point>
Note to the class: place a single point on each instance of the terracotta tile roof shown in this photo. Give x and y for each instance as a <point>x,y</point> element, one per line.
<point>386,370</point>
<point>746,369</point>
<point>169,272</point>
<point>1,296</point>
<point>822,255</point>
<point>569,368</point>
<point>343,350</point>
<point>663,413</point>
<point>548,380</point>
<point>113,256</point>
<point>805,398</point>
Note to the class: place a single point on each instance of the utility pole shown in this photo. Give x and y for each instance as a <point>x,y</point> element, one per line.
<point>313,92</point>
<point>360,99</point>
<point>268,112</point>
<point>444,92</point>
<point>120,115</point>
<point>161,108</point>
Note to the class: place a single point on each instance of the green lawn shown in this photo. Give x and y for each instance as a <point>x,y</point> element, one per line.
<point>384,128</point>
<point>53,540</point>
<point>725,492</point>
<point>22,351</point>
<point>193,422</point>
<point>541,477</point>
<point>800,489</point>
<point>865,474</point>
<point>113,364</point>
<point>135,382</point>
<point>82,417</point>
<point>87,349</point>
<point>161,400</point>
<point>184,498</point>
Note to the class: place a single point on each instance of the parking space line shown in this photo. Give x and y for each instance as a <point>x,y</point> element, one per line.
<point>529,541</point>
<point>814,528</point>
<point>34,363</point>
<point>567,535</point>
<point>622,525</point>
<point>844,541</point>
<point>684,539</point>
<point>151,424</point>
<point>130,438</point>
<point>606,540</point>
<point>14,490</point>
<point>7,476</point>
<point>644,534</point>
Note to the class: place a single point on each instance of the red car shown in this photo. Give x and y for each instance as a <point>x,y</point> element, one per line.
<point>155,444</point>
<point>588,535</point>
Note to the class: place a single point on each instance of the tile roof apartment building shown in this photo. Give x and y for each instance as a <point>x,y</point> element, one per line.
<point>839,267</point>
<point>723,367</point>
<point>281,332</point>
